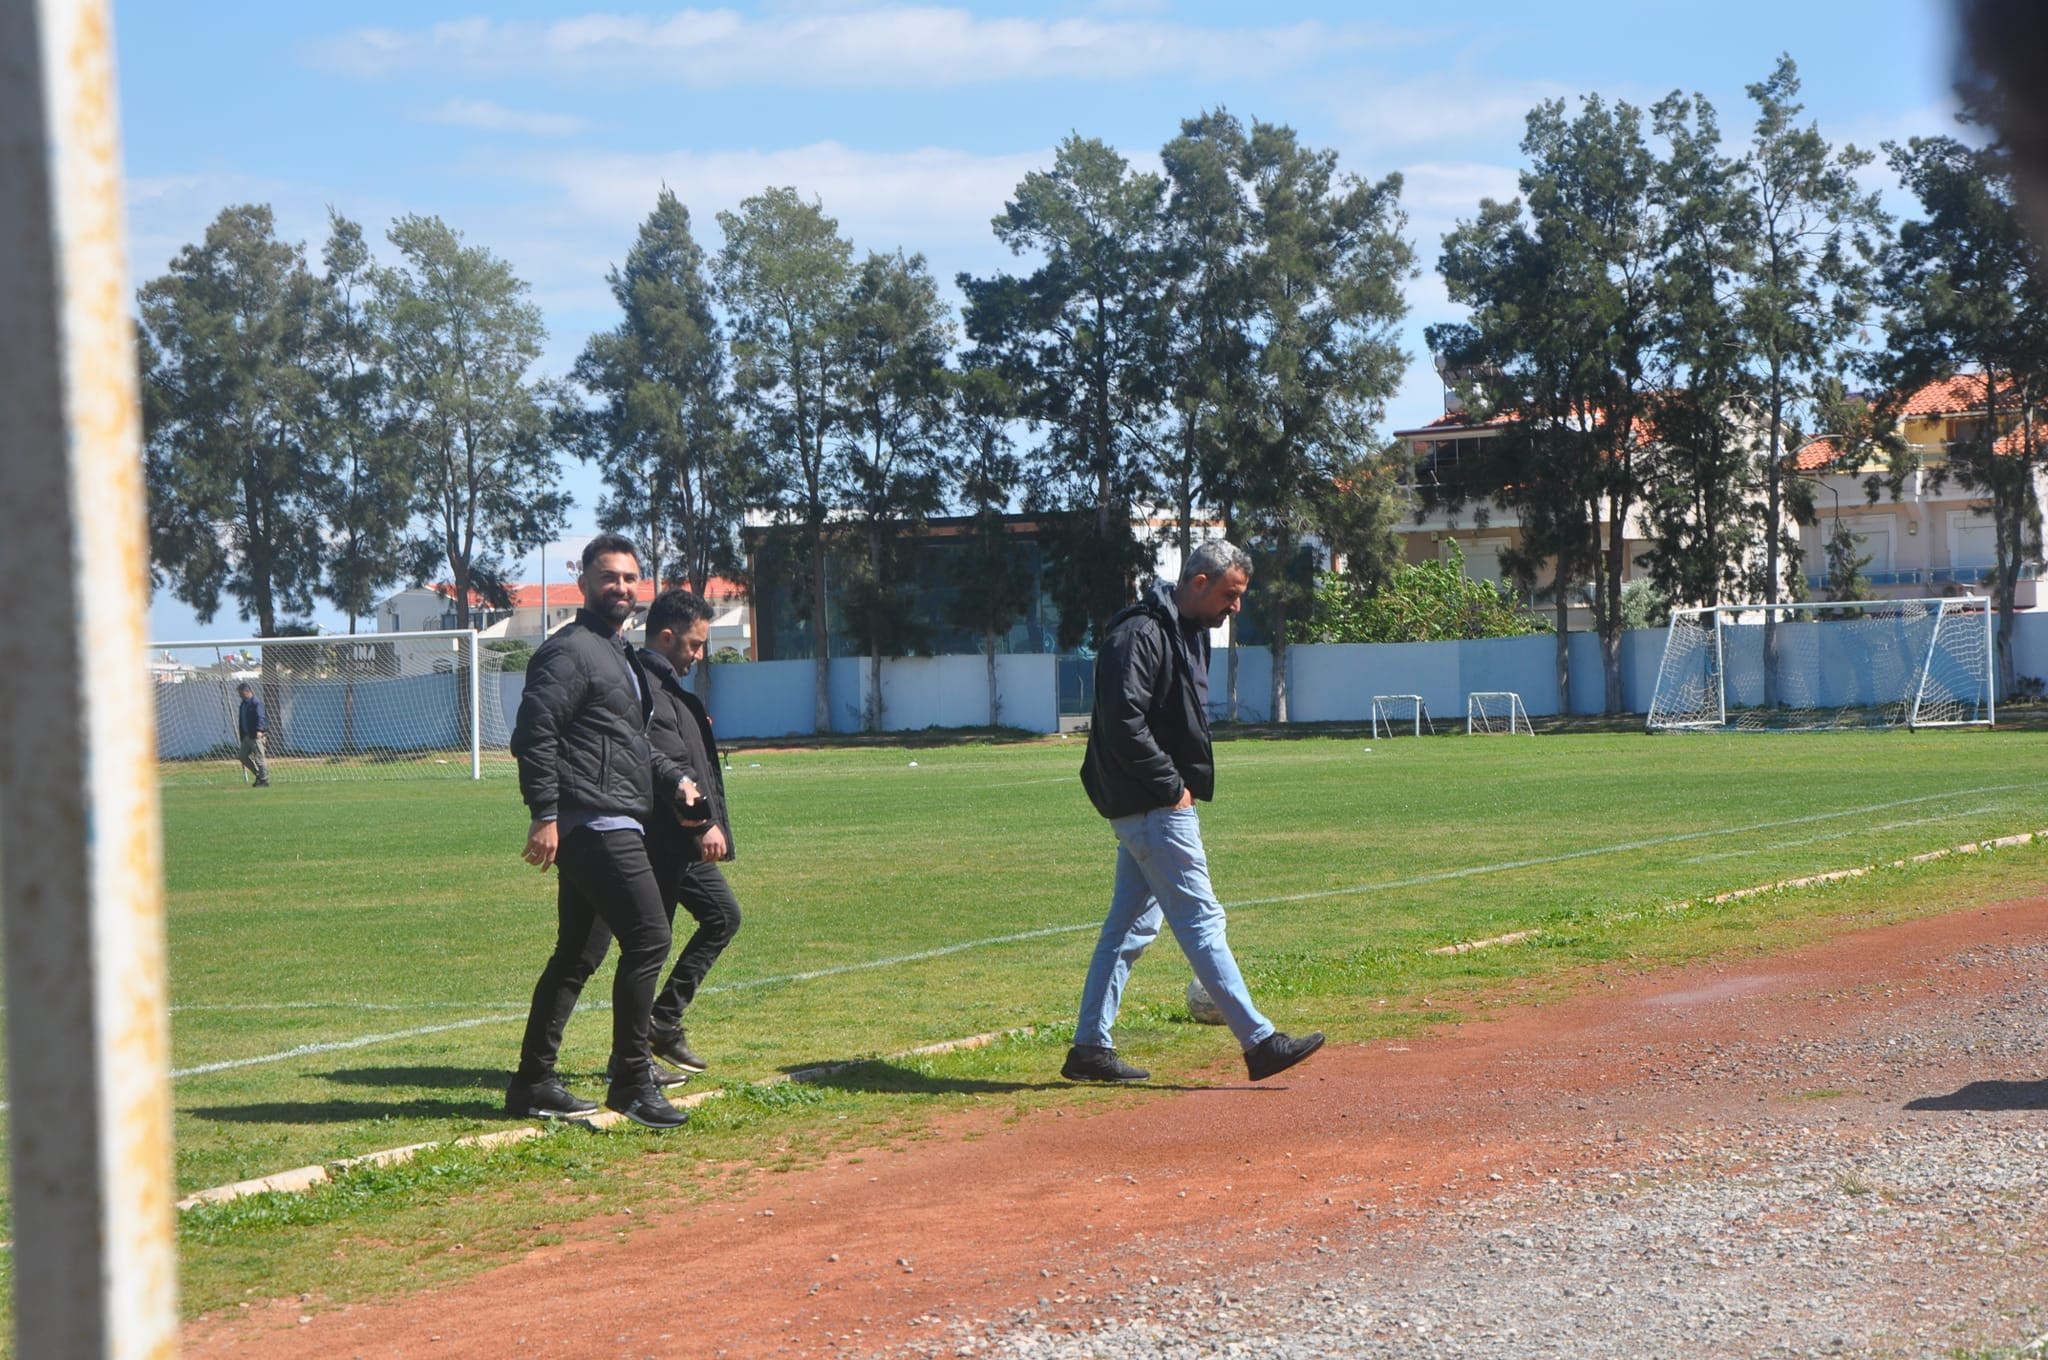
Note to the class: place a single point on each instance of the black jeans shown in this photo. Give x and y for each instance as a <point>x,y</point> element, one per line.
<point>605,887</point>
<point>703,892</point>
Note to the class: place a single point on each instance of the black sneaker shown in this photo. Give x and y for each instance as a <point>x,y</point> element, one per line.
<point>658,1074</point>
<point>672,1047</point>
<point>1275,1053</point>
<point>645,1105</point>
<point>545,1099</point>
<point>1093,1062</point>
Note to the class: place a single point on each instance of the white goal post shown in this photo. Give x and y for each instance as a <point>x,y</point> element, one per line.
<point>1826,666</point>
<point>360,706</point>
<point>1408,709</point>
<point>1496,712</point>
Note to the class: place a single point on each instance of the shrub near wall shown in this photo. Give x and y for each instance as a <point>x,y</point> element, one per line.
<point>1421,602</point>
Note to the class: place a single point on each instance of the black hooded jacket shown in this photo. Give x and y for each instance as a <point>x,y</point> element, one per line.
<point>1149,737</point>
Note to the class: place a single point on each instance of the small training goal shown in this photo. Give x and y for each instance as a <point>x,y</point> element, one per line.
<point>368,706</point>
<point>1826,666</point>
<point>1496,712</point>
<point>1391,712</point>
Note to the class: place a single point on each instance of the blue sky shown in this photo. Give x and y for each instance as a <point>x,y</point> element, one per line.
<point>545,131</point>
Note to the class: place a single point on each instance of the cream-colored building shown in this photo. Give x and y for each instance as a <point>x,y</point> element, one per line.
<point>1933,540</point>
<point>538,611</point>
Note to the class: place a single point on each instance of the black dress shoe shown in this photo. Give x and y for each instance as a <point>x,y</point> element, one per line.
<point>545,1099</point>
<point>1093,1062</point>
<point>672,1047</point>
<point>1275,1053</point>
<point>646,1106</point>
<point>656,1073</point>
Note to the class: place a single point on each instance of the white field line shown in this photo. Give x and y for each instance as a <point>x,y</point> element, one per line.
<point>1621,847</point>
<point>1357,890</point>
<point>306,1177</point>
<point>1808,881</point>
<point>1835,835</point>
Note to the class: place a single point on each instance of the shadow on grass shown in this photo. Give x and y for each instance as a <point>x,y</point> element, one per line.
<point>347,1111</point>
<point>1989,1095</point>
<point>881,1077</point>
<point>435,1078</point>
<point>451,1093</point>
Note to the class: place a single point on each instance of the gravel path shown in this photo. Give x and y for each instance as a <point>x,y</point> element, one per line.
<point>1837,1224</point>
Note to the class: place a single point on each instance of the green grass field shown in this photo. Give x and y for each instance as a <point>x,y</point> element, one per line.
<point>350,962</point>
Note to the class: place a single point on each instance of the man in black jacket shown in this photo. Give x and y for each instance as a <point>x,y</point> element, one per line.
<point>686,848</point>
<point>1148,760</point>
<point>588,777</point>
<point>252,727</point>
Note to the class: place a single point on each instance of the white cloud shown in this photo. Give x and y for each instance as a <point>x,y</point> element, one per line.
<point>166,213</point>
<point>486,116</point>
<point>1449,189</point>
<point>886,46</point>
<point>1444,108</point>
<point>933,199</point>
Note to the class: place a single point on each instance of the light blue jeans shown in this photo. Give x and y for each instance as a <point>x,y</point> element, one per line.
<point>1163,873</point>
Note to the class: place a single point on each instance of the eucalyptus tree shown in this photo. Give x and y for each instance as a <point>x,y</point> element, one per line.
<point>1702,481</point>
<point>1080,342</point>
<point>992,584</point>
<point>369,484</point>
<point>1965,292</point>
<point>473,427</point>
<point>897,416</point>
<point>1802,298</point>
<point>657,426</point>
<point>784,278</point>
<point>237,482</point>
<point>1207,328</point>
<point>1563,347</point>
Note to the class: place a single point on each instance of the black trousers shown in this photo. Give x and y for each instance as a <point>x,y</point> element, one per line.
<point>701,890</point>
<point>605,888</point>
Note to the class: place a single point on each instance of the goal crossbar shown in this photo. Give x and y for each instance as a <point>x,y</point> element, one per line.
<point>1406,708</point>
<point>1827,665</point>
<point>339,706</point>
<point>1490,712</point>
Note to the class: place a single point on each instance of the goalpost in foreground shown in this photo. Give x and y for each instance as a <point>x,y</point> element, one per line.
<point>362,706</point>
<point>1827,666</point>
<point>1496,712</point>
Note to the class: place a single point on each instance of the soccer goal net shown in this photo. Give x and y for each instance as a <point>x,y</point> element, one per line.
<point>1496,712</point>
<point>1826,666</point>
<point>372,706</point>
<point>1393,712</point>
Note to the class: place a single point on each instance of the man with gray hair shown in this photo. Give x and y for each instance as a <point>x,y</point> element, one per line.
<point>1148,760</point>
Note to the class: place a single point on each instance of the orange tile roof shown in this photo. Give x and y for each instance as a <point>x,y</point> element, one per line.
<point>565,594</point>
<point>1456,420</point>
<point>1958,394</point>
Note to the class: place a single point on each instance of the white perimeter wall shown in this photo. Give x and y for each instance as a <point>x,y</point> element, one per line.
<point>1330,683</point>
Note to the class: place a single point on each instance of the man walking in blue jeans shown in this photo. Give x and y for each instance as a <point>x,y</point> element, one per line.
<point>1148,760</point>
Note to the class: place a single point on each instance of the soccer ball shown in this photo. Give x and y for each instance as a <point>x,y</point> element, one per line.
<point>1201,1005</point>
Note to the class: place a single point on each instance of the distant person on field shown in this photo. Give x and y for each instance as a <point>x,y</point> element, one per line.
<point>586,772</point>
<point>251,727</point>
<point>1148,760</point>
<point>687,846</point>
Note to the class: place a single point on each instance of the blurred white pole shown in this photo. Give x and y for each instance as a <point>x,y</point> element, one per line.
<point>81,875</point>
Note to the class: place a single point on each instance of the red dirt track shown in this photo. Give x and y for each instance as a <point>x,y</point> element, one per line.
<point>992,1216</point>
